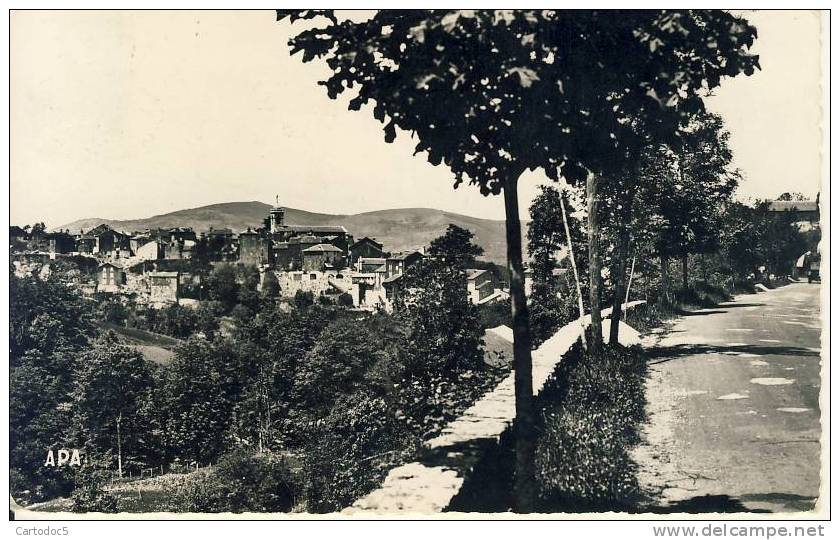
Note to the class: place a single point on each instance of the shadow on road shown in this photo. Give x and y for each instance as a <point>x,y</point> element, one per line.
<point>791,501</point>
<point>659,354</point>
<point>736,305</point>
<point>707,504</point>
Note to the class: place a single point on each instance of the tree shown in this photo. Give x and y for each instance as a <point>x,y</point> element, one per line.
<point>690,198</point>
<point>270,287</point>
<point>248,284</point>
<point>199,390</point>
<point>207,317</point>
<point>495,93</point>
<point>112,382</point>
<point>742,240</point>
<point>756,237</point>
<point>38,231</point>
<point>221,285</point>
<point>553,300</point>
<point>455,247</point>
<point>791,196</point>
<point>49,326</point>
<point>340,363</point>
<point>303,299</point>
<point>442,327</point>
<point>271,349</point>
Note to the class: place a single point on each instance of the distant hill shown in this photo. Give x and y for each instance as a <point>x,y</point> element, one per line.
<point>398,229</point>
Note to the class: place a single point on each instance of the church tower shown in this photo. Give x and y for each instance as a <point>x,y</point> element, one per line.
<point>277,215</point>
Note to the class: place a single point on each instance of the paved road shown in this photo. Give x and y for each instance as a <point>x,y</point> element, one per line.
<point>734,406</point>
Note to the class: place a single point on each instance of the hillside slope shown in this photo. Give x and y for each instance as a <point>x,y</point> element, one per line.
<point>398,229</point>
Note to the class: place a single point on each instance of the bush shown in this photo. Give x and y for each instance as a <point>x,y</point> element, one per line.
<point>242,482</point>
<point>207,316</point>
<point>303,299</point>
<point>270,287</point>
<point>241,313</point>
<point>494,314</point>
<point>113,311</point>
<point>222,287</point>
<point>89,496</point>
<point>350,451</point>
<point>582,458</point>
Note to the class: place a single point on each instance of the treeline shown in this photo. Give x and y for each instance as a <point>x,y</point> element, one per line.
<point>677,258</point>
<point>322,399</point>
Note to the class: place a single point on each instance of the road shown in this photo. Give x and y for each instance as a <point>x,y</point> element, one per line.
<point>733,399</point>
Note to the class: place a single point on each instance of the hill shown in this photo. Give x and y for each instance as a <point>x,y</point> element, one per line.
<point>398,229</point>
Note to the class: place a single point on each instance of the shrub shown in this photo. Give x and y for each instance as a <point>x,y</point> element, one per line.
<point>221,285</point>
<point>494,314</point>
<point>270,286</point>
<point>350,451</point>
<point>303,299</point>
<point>580,462</point>
<point>582,458</point>
<point>241,482</point>
<point>241,313</point>
<point>113,311</point>
<point>89,496</point>
<point>201,493</point>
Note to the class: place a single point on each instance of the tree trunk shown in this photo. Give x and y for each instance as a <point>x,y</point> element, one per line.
<point>629,283</point>
<point>663,263</point>
<point>685,272</point>
<point>619,271</point>
<point>574,268</point>
<point>119,446</point>
<point>622,252</point>
<point>594,234</point>
<point>524,425</point>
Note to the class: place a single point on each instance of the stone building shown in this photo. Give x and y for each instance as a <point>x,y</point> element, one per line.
<point>163,287</point>
<point>110,278</point>
<point>253,249</point>
<point>482,286</point>
<point>806,213</point>
<point>316,282</point>
<point>322,256</point>
<point>105,241</point>
<point>152,250</point>
<point>396,264</point>
<point>283,244</point>
<point>365,247</point>
<point>61,242</point>
<point>370,264</point>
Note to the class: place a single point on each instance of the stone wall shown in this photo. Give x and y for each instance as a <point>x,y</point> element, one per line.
<point>315,282</point>
<point>429,484</point>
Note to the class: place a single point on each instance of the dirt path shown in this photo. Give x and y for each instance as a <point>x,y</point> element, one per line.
<point>733,400</point>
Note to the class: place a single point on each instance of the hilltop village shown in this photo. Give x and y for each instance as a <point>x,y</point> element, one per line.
<point>162,267</point>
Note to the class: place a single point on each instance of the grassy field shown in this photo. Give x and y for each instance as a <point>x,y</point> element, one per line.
<point>156,348</point>
<point>154,494</point>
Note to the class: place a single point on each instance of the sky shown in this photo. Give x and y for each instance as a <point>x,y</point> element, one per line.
<point>125,115</point>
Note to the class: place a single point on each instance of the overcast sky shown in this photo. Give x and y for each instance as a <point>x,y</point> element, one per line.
<point>131,114</point>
